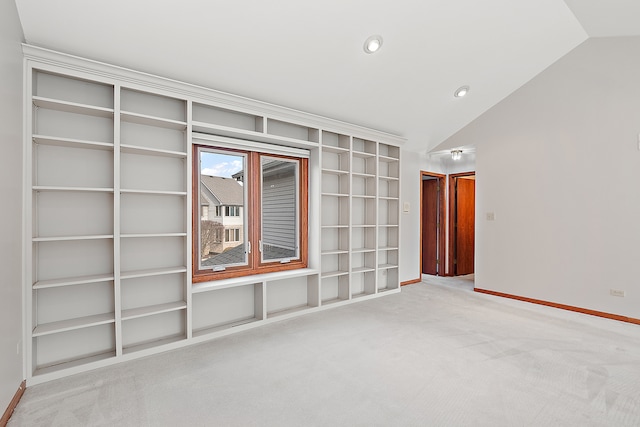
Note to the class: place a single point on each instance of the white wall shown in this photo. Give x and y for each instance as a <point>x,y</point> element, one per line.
<point>558,162</point>
<point>11,196</point>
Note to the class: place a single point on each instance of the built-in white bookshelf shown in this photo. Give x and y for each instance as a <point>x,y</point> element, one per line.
<point>360,177</point>
<point>108,221</point>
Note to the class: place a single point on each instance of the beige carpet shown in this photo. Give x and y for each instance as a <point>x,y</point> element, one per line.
<point>435,355</point>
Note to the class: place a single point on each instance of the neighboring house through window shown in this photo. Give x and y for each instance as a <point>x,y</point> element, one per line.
<point>220,196</point>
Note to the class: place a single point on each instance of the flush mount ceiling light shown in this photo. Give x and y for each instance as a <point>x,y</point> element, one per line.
<point>456,154</point>
<point>372,44</point>
<point>461,91</point>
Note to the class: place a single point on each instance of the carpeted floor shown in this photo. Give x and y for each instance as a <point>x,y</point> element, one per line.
<point>436,354</point>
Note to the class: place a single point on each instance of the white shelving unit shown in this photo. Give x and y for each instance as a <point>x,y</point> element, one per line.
<point>388,217</point>
<point>108,215</point>
<point>360,217</point>
<point>153,220</point>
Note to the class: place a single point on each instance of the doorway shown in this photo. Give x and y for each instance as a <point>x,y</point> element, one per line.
<point>432,213</point>
<point>462,190</point>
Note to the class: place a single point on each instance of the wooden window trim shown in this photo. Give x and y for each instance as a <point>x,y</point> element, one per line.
<point>253,179</point>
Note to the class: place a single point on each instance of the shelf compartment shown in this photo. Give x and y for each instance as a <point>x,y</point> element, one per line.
<point>71,143</point>
<point>335,264</point>
<point>56,309</point>
<point>134,313</point>
<point>363,239</point>
<point>152,272</point>
<point>75,347</point>
<point>216,285</point>
<point>147,253</point>
<point>336,160</point>
<point>290,295</point>
<point>364,211</point>
<point>335,252</point>
<point>72,107</point>
<point>389,168</point>
<point>335,210</point>
<point>152,173</point>
<point>334,171</point>
<point>387,259</point>
<point>363,261</point>
<point>388,212</point>
<point>226,308</point>
<point>230,132</point>
<point>69,89</point>
<point>333,273</point>
<point>158,139</point>
<point>68,364</point>
<point>388,237</point>
<point>363,165</point>
<point>154,329</point>
<point>154,344</point>
<point>334,289</point>
<point>364,148</point>
<point>152,214</point>
<point>388,187</point>
<point>68,260</point>
<point>132,149</point>
<point>390,152</point>
<point>388,279</point>
<point>363,282</point>
<point>137,104</point>
<point>143,119</point>
<point>335,241</point>
<point>72,281</point>
<point>145,295</point>
<point>72,213</point>
<point>334,140</point>
<point>335,183</point>
<point>71,324</point>
<point>60,166</point>
<point>292,131</point>
<point>363,185</point>
<point>335,150</point>
<point>227,118</point>
<point>73,125</point>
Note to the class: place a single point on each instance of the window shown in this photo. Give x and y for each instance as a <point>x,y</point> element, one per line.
<point>232,235</point>
<point>232,210</point>
<point>264,200</point>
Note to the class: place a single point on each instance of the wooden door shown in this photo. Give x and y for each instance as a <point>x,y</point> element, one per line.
<point>465,195</point>
<point>430,226</point>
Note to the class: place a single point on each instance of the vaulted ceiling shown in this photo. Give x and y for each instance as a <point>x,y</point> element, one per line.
<point>309,55</point>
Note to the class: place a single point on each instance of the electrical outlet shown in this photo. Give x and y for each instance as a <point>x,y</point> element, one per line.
<point>616,292</point>
<point>491,216</point>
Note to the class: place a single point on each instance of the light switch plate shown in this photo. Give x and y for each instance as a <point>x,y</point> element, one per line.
<point>405,207</point>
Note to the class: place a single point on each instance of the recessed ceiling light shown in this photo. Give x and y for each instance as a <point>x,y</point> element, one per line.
<point>372,44</point>
<point>461,91</point>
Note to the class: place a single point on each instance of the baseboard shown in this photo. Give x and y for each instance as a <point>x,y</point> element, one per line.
<point>563,306</point>
<point>14,402</point>
<point>410,282</point>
